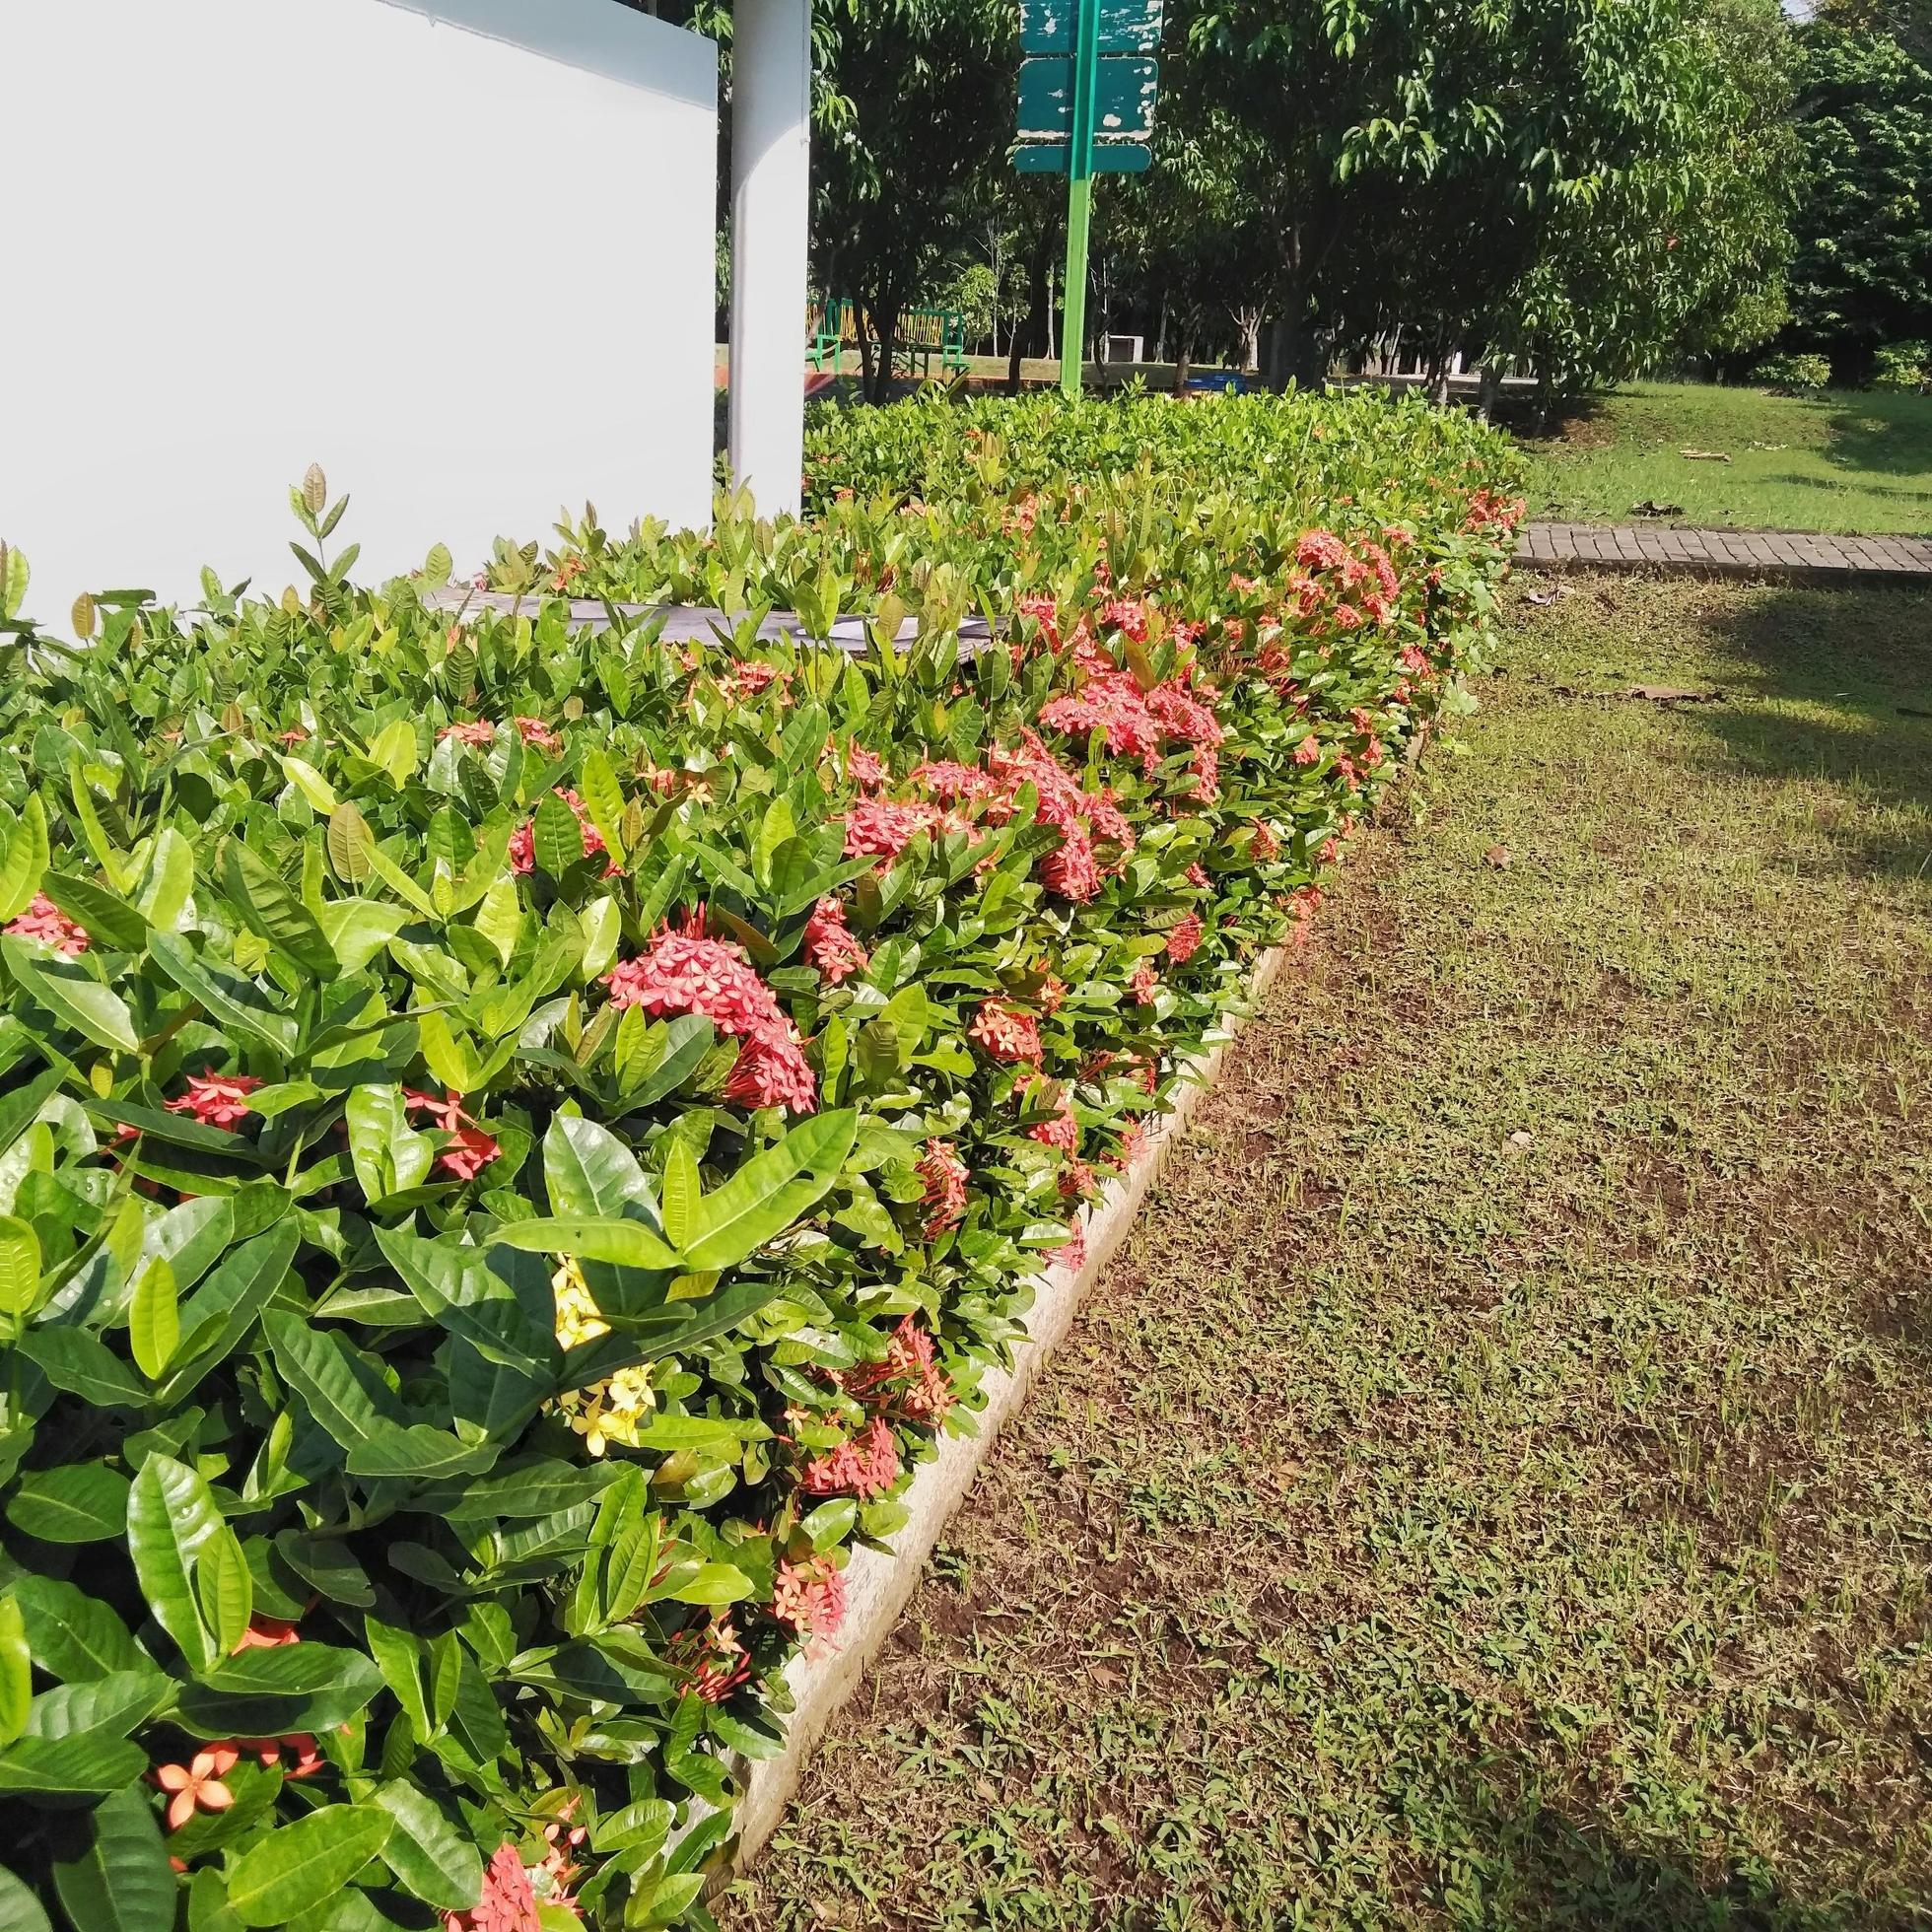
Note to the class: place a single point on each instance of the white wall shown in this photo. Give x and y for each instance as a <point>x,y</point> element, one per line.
<point>460,253</point>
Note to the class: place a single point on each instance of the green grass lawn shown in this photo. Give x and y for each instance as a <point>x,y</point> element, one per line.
<point>1859,462</point>
<point>1494,1488</point>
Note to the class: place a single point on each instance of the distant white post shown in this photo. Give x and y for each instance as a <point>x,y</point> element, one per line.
<point>771,215</point>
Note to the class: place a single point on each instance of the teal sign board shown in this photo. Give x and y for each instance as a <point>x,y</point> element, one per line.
<point>1087,80</point>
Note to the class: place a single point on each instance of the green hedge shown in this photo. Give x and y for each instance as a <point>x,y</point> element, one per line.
<point>514,1139</point>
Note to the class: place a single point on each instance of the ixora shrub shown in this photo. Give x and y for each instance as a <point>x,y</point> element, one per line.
<point>515,1138</point>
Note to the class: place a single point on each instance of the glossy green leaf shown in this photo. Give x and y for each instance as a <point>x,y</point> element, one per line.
<point>763,1198</point>
<point>16,1669</point>
<point>75,999</point>
<point>170,1519</point>
<point>20,1911</point>
<point>273,912</point>
<point>302,1864</point>
<point>75,1502</point>
<point>120,1879</point>
<point>435,1862</point>
<point>109,919</point>
<point>154,1319</point>
<point>26,858</point>
<point>623,1244</point>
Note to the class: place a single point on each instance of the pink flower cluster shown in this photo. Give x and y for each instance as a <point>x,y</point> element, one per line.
<point>689,973</point>
<point>831,945</point>
<point>945,1177</point>
<point>470,1150</point>
<point>866,1465</point>
<point>710,1659</point>
<point>216,1099</point>
<point>809,1599</point>
<point>1133,722</point>
<point>1007,1033</point>
<point>908,1379</point>
<point>46,924</point>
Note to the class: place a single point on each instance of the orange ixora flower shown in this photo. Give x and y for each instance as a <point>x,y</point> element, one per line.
<point>197,1785</point>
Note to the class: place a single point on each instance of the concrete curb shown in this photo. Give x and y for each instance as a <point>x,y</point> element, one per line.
<point>878,1585</point>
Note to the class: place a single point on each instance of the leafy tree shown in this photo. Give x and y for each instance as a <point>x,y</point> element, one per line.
<point>1863,274</point>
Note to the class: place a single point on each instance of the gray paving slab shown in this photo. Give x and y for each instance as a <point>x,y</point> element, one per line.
<point>1754,553</point>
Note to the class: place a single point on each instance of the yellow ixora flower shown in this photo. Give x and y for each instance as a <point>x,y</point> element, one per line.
<point>612,1411</point>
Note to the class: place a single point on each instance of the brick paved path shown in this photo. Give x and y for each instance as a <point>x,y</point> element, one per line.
<point>1725,553</point>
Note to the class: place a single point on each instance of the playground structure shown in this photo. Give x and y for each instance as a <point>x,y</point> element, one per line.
<point>923,333</point>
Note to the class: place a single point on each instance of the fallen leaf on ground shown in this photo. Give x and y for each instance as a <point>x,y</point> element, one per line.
<point>1650,507</point>
<point>1704,456</point>
<point>1521,1138</point>
<point>1497,856</point>
<point>1669,694</point>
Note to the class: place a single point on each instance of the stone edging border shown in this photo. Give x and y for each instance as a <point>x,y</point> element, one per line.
<point>879,1584</point>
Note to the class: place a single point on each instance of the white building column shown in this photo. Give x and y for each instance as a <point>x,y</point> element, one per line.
<point>771,216</point>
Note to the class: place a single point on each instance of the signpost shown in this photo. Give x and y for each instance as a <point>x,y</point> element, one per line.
<point>1087,79</point>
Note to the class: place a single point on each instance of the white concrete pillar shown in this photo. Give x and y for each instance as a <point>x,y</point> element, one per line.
<point>771,215</point>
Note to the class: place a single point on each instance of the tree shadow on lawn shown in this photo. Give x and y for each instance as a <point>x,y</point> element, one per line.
<point>1834,685</point>
<point>1539,1870</point>
<point>1879,432</point>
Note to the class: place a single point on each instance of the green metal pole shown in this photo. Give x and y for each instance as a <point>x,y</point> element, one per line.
<point>1073,324</point>
<point>1079,197</point>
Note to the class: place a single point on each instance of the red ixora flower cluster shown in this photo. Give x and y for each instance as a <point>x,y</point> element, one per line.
<point>908,1379</point>
<point>539,737</point>
<point>523,841</point>
<point>1132,721</point>
<point>866,1465</point>
<point>471,1150</point>
<point>830,944</point>
<point>1006,1032</point>
<point>945,1177</point>
<point>689,973</point>
<point>809,1599</point>
<point>710,1659</point>
<point>216,1099</point>
<point>1183,938</point>
<point>44,923</point>
<point>508,1903</point>
<point>478,734</point>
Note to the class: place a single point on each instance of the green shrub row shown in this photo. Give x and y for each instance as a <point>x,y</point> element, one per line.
<point>515,1137</point>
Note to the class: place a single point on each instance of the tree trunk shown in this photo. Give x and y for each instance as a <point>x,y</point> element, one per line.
<point>881,319</point>
<point>1161,333</point>
<point>1039,298</point>
<point>1181,358</point>
<point>1489,393</point>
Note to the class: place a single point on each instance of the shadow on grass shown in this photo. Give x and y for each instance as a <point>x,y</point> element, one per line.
<point>1836,685</point>
<point>1883,432</point>
<point>1541,1870</point>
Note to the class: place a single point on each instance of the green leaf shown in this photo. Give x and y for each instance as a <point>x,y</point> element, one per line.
<point>109,920</point>
<point>557,838</point>
<point>119,1881</point>
<point>292,1687</point>
<point>357,930</point>
<point>762,1198</point>
<point>170,879</point>
<point>88,1767</point>
<point>228,998</point>
<point>20,1269</point>
<point>451,1060</point>
<point>16,1669</point>
<point>71,996</point>
<point>714,1583</point>
<point>273,913</point>
<point>82,1364</point>
<point>310,782</point>
<point>348,841</point>
<point>171,1518</point>
<point>683,1193</point>
<point>389,1156</point>
<point>154,1319</point>
<point>395,750</point>
<point>623,1244</point>
<point>226,1591</point>
<point>26,858</point>
<point>604,800</point>
<point>435,1862</point>
<point>74,1636</point>
<point>77,1502</point>
<point>20,1911</point>
<point>302,1864</point>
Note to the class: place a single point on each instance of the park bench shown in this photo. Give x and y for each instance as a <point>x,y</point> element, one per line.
<point>922,334</point>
